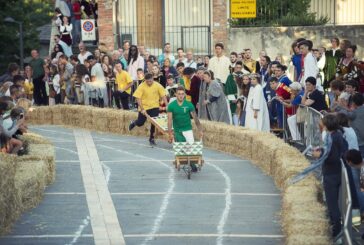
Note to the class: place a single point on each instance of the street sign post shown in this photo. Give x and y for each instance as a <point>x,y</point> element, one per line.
<point>240,9</point>
<point>88,30</point>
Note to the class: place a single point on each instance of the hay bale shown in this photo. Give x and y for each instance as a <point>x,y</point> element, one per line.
<point>44,115</point>
<point>43,152</point>
<point>299,239</point>
<point>30,182</point>
<point>33,116</point>
<point>137,131</point>
<point>9,203</point>
<point>57,116</point>
<point>32,138</point>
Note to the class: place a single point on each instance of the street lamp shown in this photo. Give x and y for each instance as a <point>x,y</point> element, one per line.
<point>11,20</point>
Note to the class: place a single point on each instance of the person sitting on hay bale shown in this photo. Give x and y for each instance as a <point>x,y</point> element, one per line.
<point>9,144</point>
<point>148,95</point>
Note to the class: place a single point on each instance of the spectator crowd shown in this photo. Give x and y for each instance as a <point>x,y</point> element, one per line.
<point>261,94</point>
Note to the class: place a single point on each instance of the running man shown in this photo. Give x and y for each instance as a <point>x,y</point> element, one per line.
<point>180,112</point>
<point>148,95</point>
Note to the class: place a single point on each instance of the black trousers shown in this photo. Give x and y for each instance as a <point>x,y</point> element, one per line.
<point>154,112</point>
<point>40,93</point>
<point>332,185</point>
<point>122,97</point>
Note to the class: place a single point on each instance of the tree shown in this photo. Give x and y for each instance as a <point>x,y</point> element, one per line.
<point>281,13</point>
<point>33,14</point>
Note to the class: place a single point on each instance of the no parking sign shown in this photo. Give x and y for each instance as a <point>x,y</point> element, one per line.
<point>88,30</point>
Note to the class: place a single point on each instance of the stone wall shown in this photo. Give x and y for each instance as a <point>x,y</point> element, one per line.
<point>277,40</point>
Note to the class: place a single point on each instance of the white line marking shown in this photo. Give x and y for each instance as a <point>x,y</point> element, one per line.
<point>46,236</point>
<point>52,131</point>
<point>173,194</point>
<point>78,233</point>
<point>155,235</point>
<point>208,235</point>
<point>104,220</point>
<point>64,193</point>
<point>65,149</point>
<point>67,161</point>
<point>163,160</point>
<point>191,194</point>
<point>165,202</point>
<point>225,214</point>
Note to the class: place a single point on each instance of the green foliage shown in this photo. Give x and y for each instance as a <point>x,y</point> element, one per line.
<point>281,13</point>
<point>33,14</point>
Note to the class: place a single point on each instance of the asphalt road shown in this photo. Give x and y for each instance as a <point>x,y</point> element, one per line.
<point>139,194</point>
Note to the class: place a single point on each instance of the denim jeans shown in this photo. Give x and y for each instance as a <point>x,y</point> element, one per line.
<point>356,177</point>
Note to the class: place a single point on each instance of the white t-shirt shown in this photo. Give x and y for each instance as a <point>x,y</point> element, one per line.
<point>220,67</point>
<point>82,58</point>
<point>191,64</point>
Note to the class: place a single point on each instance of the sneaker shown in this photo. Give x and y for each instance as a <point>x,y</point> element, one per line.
<point>131,125</point>
<point>152,142</point>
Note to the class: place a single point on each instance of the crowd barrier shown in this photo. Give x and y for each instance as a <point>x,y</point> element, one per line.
<point>303,128</point>
<point>24,178</point>
<point>346,207</point>
<point>303,216</point>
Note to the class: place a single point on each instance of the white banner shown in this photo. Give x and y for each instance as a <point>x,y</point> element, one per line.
<point>88,30</point>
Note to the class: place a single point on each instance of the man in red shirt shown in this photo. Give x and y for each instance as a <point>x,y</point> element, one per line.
<point>283,92</point>
<point>76,21</point>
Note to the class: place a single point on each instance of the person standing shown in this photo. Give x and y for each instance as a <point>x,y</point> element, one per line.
<point>191,85</point>
<point>98,80</point>
<point>180,112</point>
<point>66,31</point>
<point>190,62</point>
<point>248,61</point>
<point>148,96</point>
<point>308,63</point>
<point>76,21</point>
<point>231,90</point>
<point>214,101</point>
<point>123,82</point>
<point>167,54</point>
<point>40,93</point>
<point>180,57</point>
<point>257,115</point>
<point>219,64</point>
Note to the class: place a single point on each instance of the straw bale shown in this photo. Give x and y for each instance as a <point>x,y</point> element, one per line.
<point>85,117</point>
<point>44,115</point>
<point>57,116</point>
<point>33,116</point>
<point>9,204</point>
<point>30,181</point>
<point>299,239</point>
<point>32,138</point>
<point>137,131</point>
<point>24,103</point>
<point>44,152</point>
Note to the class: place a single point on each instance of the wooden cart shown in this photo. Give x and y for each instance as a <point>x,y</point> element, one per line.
<point>189,156</point>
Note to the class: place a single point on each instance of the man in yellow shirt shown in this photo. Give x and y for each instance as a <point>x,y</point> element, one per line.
<point>148,95</point>
<point>124,82</point>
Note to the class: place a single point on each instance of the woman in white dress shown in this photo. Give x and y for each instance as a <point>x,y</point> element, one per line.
<point>257,116</point>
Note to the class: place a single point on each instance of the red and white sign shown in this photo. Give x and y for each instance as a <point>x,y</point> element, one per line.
<point>88,30</point>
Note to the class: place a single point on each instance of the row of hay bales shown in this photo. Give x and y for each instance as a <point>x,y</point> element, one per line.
<point>24,178</point>
<point>303,216</point>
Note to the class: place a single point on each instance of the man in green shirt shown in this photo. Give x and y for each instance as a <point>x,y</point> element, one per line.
<point>180,112</point>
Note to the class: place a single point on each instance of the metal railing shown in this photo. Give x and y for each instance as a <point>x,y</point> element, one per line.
<point>293,13</point>
<point>303,128</point>
<point>346,207</point>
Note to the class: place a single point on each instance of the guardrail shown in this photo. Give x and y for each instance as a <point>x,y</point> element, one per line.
<point>346,206</point>
<point>303,128</point>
